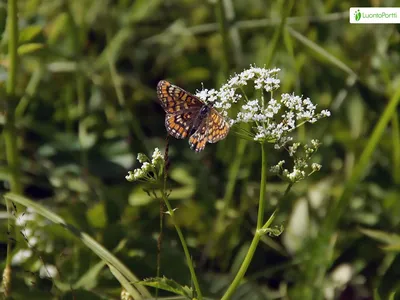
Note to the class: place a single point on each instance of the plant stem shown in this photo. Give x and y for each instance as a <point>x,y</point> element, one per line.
<point>226,42</point>
<point>10,136</point>
<point>243,268</point>
<point>184,246</point>
<point>263,183</point>
<point>256,239</point>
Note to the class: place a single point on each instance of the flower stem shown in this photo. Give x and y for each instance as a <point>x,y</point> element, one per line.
<point>184,246</point>
<point>263,183</point>
<point>256,239</point>
<point>243,268</point>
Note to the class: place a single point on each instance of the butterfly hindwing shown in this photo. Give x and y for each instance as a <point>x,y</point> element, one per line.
<point>218,128</point>
<point>198,140</point>
<point>178,125</point>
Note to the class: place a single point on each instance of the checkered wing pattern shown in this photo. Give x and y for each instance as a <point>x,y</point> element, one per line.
<point>175,100</point>
<point>218,128</point>
<point>198,140</point>
<point>183,117</point>
<point>179,125</point>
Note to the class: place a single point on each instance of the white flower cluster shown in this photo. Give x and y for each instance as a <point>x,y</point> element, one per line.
<point>301,169</point>
<point>273,119</point>
<point>150,171</point>
<point>33,235</point>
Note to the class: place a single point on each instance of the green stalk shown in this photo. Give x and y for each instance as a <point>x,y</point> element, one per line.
<point>226,44</point>
<point>10,136</point>
<point>276,39</point>
<point>230,187</point>
<point>330,223</point>
<point>396,148</point>
<point>263,183</point>
<point>256,239</point>
<point>243,268</point>
<point>363,162</point>
<point>247,260</point>
<point>184,246</point>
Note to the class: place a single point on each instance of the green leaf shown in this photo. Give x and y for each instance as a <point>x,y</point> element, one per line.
<point>390,282</point>
<point>29,48</point>
<point>90,278</point>
<point>182,176</point>
<point>389,239</point>
<point>168,285</point>
<point>57,28</point>
<point>142,9</point>
<point>98,249</point>
<point>97,215</point>
<point>29,33</point>
<point>123,281</point>
<point>139,197</point>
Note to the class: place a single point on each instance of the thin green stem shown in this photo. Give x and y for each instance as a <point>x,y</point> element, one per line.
<point>233,176</point>
<point>226,43</point>
<point>263,183</point>
<point>12,23</point>
<point>256,239</point>
<point>10,136</point>
<point>184,246</point>
<point>276,39</point>
<point>396,148</point>
<point>30,91</point>
<point>243,268</point>
<point>362,164</point>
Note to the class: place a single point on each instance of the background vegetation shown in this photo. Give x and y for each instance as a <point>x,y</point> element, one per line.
<point>78,103</point>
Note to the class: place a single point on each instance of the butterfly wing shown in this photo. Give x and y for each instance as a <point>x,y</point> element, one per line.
<point>175,100</point>
<point>218,128</point>
<point>198,140</point>
<point>178,125</point>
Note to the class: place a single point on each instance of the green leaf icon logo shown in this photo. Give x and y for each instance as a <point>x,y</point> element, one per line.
<point>357,15</point>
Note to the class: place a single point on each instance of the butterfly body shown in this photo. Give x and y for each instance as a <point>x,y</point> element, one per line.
<point>199,119</point>
<point>187,115</point>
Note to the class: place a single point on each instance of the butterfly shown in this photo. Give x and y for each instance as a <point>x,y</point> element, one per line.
<point>186,115</point>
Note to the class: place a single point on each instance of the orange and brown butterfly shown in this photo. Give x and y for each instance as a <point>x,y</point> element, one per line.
<point>186,115</point>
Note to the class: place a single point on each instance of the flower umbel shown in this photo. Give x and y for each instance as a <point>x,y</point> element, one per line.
<point>271,118</point>
<point>301,168</point>
<point>150,171</point>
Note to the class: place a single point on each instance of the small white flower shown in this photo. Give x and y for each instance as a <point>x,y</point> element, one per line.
<point>149,171</point>
<point>21,256</point>
<point>33,241</point>
<point>142,158</point>
<point>49,271</point>
<point>23,218</point>
<point>316,167</point>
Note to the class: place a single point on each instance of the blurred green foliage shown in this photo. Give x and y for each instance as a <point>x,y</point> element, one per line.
<point>86,104</point>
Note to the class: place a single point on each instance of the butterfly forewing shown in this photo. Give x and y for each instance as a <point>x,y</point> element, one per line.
<point>175,100</point>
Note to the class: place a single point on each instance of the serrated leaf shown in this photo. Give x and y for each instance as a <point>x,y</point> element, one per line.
<point>168,285</point>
